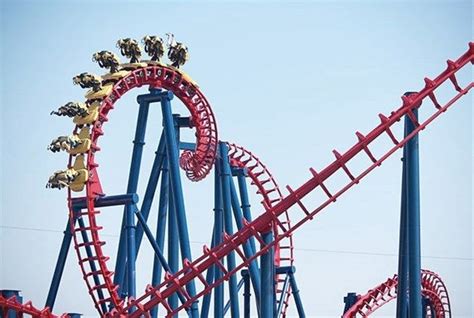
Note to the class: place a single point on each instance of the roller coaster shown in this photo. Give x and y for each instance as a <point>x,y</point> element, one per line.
<point>247,253</point>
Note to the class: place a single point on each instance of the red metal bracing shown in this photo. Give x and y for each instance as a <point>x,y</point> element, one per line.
<point>268,189</point>
<point>197,165</point>
<point>25,310</point>
<point>432,287</point>
<point>231,243</point>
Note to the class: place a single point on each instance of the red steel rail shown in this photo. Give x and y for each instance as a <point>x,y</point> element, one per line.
<point>24,310</point>
<point>432,287</point>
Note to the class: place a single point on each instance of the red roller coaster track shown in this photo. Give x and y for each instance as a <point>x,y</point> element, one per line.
<point>7,304</point>
<point>432,287</point>
<point>197,166</point>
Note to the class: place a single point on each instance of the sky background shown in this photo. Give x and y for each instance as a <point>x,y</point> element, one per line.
<point>290,82</point>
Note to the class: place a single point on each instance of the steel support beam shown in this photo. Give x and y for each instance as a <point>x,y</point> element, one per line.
<point>247,294</point>
<point>151,188</point>
<point>409,302</point>
<point>172,151</point>
<point>267,278</point>
<point>296,296</point>
<point>126,248</point>
<point>106,201</point>
<point>227,205</point>
<point>60,263</point>
<point>244,198</point>
<point>402,287</point>
<point>161,227</point>
<point>218,228</point>
<point>206,301</point>
<point>247,247</point>
<point>173,245</point>
<point>413,218</point>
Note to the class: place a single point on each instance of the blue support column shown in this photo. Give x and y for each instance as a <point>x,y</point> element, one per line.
<point>151,188</point>
<point>160,227</point>
<point>173,245</point>
<point>402,287</point>
<point>8,293</point>
<point>154,245</point>
<point>296,296</point>
<point>228,304</point>
<point>131,252</point>
<point>218,211</point>
<point>349,301</point>
<point>60,263</point>
<point>126,246</point>
<point>244,197</point>
<point>413,218</point>
<point>267,278</point>
<point>225,187</point>
<point>206,301</point>
<point>247,294</point>
<point>151,239</point>
<point>247,247</point>
<point>177,191</point>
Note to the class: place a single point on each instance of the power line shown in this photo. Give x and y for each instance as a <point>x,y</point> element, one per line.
<point>455,258</point>
<point>379,254</point>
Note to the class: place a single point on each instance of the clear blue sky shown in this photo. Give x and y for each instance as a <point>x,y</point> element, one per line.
<point>290,82</point>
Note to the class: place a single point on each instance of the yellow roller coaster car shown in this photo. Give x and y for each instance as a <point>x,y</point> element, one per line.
<point>77,185</point>
<point>84,144</point>
<point>103,92</point>
<point>93,111</point>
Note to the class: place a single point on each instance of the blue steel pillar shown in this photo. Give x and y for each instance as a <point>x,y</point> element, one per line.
<point>349,301</point>
<point>267,279</point>
<point>247,294</point>
<point>206,301</point>
<point>8,293</point>
<point>402,287</point>
<point>131,251</point>
<point>247,247</point>
<point>409,303</point>
<point>226,196</point>
<point>176,187</point>
<point>151,187</point>
<point>59,269</point>
<point>126,248</point>
<point>173,243</point>
<point>218,224</point>
<point>296,295</point>
<point>244,197</point>
<point>413,206</point>
<point>160,227</point>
